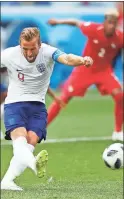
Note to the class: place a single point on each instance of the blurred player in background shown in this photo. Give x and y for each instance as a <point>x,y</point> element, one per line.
<point>3,94</point>
<point>104,43</point>
<point>3,76</point>
<point>29,66</point>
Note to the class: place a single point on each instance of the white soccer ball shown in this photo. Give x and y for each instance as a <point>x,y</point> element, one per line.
<point>113,156</point>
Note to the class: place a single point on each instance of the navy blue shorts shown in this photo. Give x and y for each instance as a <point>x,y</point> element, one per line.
<point>30,115</point>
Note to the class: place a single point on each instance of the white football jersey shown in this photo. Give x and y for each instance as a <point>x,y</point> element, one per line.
<point>28,81</point>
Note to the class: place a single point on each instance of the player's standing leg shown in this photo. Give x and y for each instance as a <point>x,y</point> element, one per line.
<point>109,84</point>
<point>118,98</point>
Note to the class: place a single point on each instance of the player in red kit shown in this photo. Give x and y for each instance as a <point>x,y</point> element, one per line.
<point>103,44</point>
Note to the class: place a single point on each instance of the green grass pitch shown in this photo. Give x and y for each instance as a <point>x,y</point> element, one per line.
<point>75,169</point>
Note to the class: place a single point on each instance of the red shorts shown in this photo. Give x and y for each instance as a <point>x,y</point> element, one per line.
<point>79,81</point>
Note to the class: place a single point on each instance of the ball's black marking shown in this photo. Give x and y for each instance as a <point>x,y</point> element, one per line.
<point>106,163</point>
<point>118,163</point>
<point>112,152</point>
<point>122,147</point>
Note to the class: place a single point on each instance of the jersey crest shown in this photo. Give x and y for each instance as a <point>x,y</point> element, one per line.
<point>40,67</point>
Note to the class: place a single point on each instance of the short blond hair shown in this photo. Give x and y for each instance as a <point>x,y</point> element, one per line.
<point>112,12</point>
<point>29,33</point>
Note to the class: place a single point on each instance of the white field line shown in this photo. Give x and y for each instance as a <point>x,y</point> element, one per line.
<point>66,140</point>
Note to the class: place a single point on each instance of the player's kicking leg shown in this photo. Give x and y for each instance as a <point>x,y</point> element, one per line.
<point>39,168</point>
<point>37,164</point>
<point>41,163</point>
<point>24,142</point>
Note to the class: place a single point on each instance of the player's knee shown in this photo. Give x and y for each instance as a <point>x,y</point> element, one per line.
<point>18,132</point>
<point>32,138</point>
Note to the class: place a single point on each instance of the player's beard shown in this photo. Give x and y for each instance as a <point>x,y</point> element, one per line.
<point>109,33</point>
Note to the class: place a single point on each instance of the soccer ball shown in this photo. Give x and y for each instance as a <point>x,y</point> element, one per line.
<point>113,156</point>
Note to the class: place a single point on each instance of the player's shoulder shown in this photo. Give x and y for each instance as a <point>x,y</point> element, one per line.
<point>11,51</point>
<point>9,54</point>
<point>119,33</point>
<point>99,26</point>
<point>45,46</point>
<point>47,49</point>
<point>91,23</point>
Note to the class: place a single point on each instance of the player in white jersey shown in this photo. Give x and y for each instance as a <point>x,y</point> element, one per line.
<point>30,66</point>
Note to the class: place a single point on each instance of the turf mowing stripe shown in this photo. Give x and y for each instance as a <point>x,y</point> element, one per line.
<point>63,140</point>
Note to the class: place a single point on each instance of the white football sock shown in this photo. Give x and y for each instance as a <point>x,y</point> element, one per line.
<point>15,167</point>
<point>2,110</point>
<point>14,170</point>
<point>31,147</point>
<point>23,154</point>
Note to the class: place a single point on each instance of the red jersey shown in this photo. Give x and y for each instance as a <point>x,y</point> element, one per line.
<point>100,48</point>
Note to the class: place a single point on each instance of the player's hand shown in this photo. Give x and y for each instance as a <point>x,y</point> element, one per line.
<point>60,102</point>
<point>52,22</point>
<point>88,61</point>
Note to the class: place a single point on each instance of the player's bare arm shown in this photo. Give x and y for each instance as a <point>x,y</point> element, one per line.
<point>54,97</point>
<point>72,22</point>
<point>50,93</point>
<point>74,60</point>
